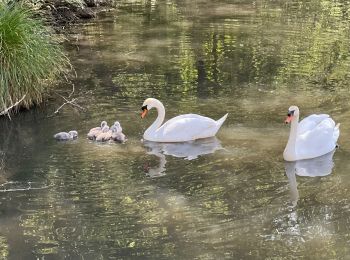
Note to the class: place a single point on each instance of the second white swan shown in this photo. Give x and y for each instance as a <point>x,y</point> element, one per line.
<point>181,128</point>
<point>314,136</point>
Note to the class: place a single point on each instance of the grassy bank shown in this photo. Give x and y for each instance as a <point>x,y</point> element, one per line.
<point>31,60</point>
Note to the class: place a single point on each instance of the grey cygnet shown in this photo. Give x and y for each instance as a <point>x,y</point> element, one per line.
<point>64,136</point>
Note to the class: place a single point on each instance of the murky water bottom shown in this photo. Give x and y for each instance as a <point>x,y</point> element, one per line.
<point>229,197</point>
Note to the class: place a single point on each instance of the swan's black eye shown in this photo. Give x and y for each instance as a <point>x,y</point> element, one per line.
<point>144,108</point>
<point>290,113</point>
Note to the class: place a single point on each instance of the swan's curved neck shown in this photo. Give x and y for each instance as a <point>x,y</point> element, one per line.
<point>158,122</point>
<point>290,148</point>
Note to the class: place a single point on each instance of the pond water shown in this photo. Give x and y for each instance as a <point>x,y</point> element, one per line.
<point>230,197</point>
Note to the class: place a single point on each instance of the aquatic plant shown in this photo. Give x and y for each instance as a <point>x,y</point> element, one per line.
<point>31,58</point>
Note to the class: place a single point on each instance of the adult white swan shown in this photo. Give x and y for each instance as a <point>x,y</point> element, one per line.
<point>178,129</point>
<point>314,136</point>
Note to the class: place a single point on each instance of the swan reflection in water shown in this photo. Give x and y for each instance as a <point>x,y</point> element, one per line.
<point>316,167</point>
<point>187,150</point>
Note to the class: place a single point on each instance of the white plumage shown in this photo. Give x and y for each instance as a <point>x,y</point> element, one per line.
<point>181,128</point>
<point>314,136</point>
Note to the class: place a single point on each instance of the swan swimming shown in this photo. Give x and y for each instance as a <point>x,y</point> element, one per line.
<point>181,128</point>
<point>314,136</point>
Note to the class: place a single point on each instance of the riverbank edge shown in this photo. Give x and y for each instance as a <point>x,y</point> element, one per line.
<point>60,16</point>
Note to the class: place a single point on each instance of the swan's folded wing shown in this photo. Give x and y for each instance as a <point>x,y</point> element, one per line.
<point>317,141</point>
<point>175,119</point>
<point>310,122</point>
<point>187,127</point>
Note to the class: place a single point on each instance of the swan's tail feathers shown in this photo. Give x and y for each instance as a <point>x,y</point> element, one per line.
<point>336,133</point>
<point>221,121</point>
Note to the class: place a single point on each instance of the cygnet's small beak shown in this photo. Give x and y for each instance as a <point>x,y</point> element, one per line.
<point>288,119</point>
<point>144,113</point>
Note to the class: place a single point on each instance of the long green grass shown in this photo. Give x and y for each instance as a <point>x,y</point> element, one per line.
<point>31,59</point>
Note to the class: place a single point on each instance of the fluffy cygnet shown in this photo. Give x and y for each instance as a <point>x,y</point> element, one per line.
<point>105,135</point>
<point>64,136</point>
<point>94,132</point>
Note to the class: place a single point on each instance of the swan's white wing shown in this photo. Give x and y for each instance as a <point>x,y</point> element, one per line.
<point>336,133</point>
<point>186,127</point>
<point>318,141</point>
<point>187,116</point>
<point>310,122</point>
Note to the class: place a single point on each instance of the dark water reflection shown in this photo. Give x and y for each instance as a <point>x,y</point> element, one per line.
<point>252,59</point>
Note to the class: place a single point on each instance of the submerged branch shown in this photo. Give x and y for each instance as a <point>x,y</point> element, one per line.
<point>71,102</point>
<point>7,110</point>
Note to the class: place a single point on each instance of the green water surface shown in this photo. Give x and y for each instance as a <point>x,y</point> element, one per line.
<point>230,197</point>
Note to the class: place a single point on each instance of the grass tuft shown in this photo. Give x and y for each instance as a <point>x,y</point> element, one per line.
<point>31,59</point>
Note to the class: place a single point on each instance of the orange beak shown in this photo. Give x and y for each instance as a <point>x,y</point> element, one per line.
<point>288,119</point>
<point>144,113</point>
